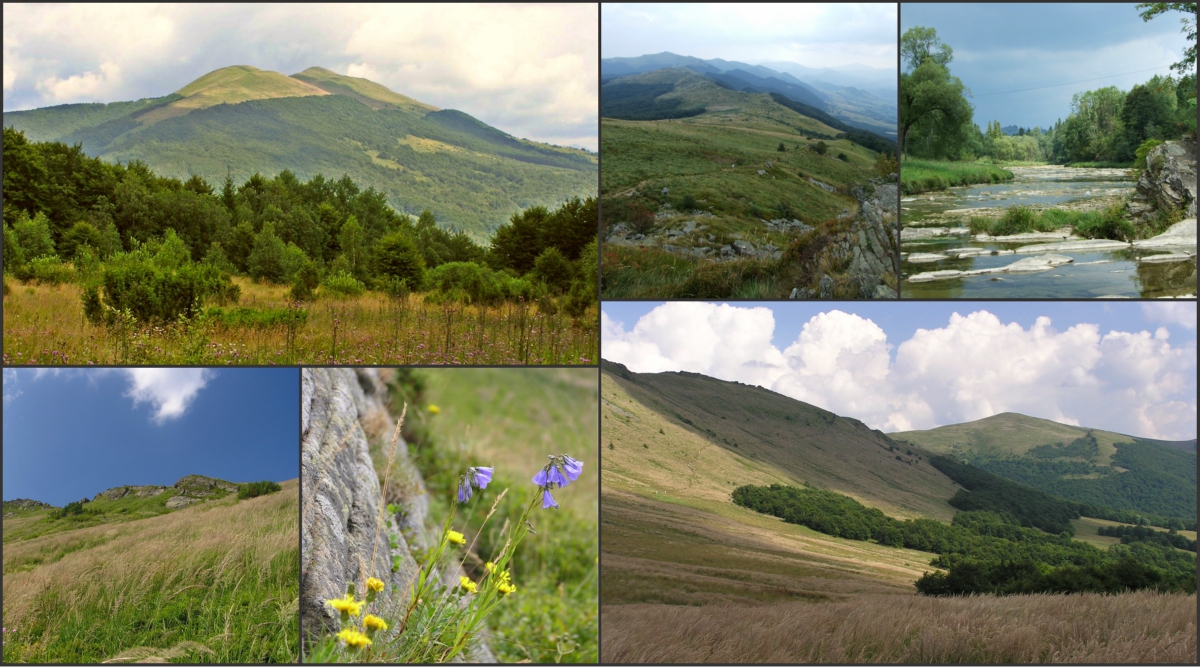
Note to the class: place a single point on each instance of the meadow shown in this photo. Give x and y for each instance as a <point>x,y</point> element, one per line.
<point>217,582</point>
<point>45,324</point>
<point>1142,627</point>
<point>924,175</point>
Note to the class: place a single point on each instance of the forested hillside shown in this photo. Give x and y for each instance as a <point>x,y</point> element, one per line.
<point>239,121</point>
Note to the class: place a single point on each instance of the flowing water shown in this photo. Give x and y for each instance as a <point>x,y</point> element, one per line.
<point>935,225</point>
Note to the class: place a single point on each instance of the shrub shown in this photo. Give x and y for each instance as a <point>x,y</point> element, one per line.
<point>135,284</point>
<point>48,270</point>
<point>553,269</point>
<point>781,148</point>
<point>1140,155</point>
<point>640,218</point>
<point>688,203</point>
<point>843,158</point>
<point>14,256</point>
<point>266,261</point>
<point>468,281</point>
<point>304,282</point>
<point>256,489</point>
<point>81,233</point>
<point>820,148</point>
<point>34,236</point>
<point>173,253</point>
<point>71,508</point>
<point>342,284</point>
<point>885,164</point>
<point>396,255</point>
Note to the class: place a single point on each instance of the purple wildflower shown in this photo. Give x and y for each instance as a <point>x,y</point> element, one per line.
<point>464,491</point>
<point>540,478</point>
<point>572,467</point>
<point>548,500</point>
<point>480,476</point>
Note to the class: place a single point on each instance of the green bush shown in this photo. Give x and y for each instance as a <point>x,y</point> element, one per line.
<point>14,257</point>
<point>304,282</point>
<point>553,269</point>
<point>135,284</point>
<point>71,508</point>
<point>34,235</point>
<point>821,148</point>
<point>1139,161</point>
<point>342,284</point>
<point>843,158</point>
<point>396,255</point>
<point>48,270</point>
<point>256,489</point>
<point>470,282</point>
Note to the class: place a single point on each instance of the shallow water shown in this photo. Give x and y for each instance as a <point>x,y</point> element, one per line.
<point>1091,274</point>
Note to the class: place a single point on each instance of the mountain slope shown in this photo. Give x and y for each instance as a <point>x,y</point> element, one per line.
<point>746,432</point>
<point>1101,468</point>
<point>242,120</point>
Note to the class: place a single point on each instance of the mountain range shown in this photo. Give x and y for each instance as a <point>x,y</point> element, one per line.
<point>861,96</point>
<point>242,120</point>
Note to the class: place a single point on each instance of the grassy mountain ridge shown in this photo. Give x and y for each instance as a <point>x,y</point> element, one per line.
<point>216,582</point>
<point>242,120</point>
<point>1092,466</point>
<point>782,438</point>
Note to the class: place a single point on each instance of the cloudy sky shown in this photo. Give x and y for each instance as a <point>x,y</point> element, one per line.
<point>1124,367</point>
<point>70,433</point>
<point>811,34</point>
<point>1003,48</point>
<point>530,70</point>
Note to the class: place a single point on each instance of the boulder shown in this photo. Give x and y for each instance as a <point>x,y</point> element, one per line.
<point>826,286</point>
<point>179,502</point>
<point>1168,183</point>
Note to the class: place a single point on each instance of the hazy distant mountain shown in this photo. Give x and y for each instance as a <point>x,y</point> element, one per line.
<point>241,120</point>
<point>863,97</point>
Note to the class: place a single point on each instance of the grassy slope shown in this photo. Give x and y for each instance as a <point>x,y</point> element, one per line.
<point>241,120</point>
<point>224,574</point>
<point>694,156</point>
<point>671,535</point>
<point>512,418</point>
<point>925,175</point>
<point>1008,433</point>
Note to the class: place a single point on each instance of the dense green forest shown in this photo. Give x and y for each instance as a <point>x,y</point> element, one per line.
<point>1159,481</point>
<point>1107,125</point>
<point>155,248</point>
<point>983,551</point>
<point>985,491</point>
<point>1131,534</point>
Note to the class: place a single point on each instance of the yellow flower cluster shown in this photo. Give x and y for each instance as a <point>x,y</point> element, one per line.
<point>372,622</point>
<point>354,638</point>
<point>375,584</point>
<point>346,605</point>
<point>504,583</point>
<point>468,584</point>
<point>456,537</point>
<point>434,409</point>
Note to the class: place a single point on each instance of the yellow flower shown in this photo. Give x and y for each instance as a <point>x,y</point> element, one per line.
<point>354,638</point>
<point>456,537</point>
<point>506,588</point>
<point>374,622</point>
<point>433,409</point>
<point>375,584</point>
<point>468,584</point>
<point>346,605</point>
<point>489,566</point>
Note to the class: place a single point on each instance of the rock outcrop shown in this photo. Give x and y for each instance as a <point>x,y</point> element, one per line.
<point>870,247</point>
<point>26,504</point>
<point>344,536</point>
<point>1167,184</point>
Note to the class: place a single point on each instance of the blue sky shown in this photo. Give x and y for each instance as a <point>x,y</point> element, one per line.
<point>1000,48</point>
<point>530,70</point>
<point>1128,367</point>
<point>811,34</point>
<point>73,433</point>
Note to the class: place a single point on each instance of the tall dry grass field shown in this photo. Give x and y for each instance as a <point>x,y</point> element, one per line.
<point>44,324</point>
<point>217,582</point>
<point>1141,627</point>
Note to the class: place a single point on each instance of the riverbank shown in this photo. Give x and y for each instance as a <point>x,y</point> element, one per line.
<point>918,176</point>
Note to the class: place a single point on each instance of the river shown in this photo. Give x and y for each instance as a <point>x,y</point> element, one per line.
<point>935,235</point>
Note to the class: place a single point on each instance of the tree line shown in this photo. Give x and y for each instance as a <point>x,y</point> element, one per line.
<point>1104,125</point>
<point>983,551</point>
<point>130,230</point>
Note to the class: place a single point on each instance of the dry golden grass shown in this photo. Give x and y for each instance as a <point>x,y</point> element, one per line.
<point>1141,627</point>
<point>224,574</point>
<point>44,324</point>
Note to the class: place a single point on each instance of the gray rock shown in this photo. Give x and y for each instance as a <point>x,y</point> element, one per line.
<point>744,248</point>
<point>343,538</point>
<point>761,172</point>
<point>826,286</point>
<point>180,501</point>
<point>1168,183</point>
<point>689,227</point>
<point>884,292</point>
<point>727,251</point>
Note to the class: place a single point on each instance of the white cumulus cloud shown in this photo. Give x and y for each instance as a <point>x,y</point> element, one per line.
<point>971,367</point>
<point>168,390</point>
<point>1182,313</point>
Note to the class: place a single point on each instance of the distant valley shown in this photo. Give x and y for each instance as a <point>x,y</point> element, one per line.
<point>242,120</point>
